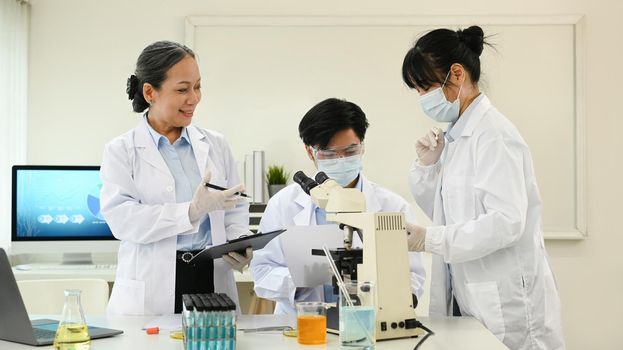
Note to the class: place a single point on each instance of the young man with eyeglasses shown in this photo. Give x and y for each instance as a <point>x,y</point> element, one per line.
<point>333,132</point>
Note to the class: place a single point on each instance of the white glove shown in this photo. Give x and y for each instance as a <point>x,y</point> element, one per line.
<point>429,147</point>
<point>237,261</point>
<point>416,236</point>
<point>206,200</point>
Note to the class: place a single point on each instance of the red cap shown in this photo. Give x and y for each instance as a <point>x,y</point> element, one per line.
<point>153,330</point>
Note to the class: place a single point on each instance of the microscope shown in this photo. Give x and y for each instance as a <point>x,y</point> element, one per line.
<point>384,259</point>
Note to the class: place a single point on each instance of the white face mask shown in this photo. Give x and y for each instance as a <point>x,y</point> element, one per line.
<point>435,105</point>
<point>342,170</point>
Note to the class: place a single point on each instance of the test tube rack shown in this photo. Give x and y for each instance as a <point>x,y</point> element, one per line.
<point>209,322</point>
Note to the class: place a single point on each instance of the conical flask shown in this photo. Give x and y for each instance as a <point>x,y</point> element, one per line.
<point>72,332</point>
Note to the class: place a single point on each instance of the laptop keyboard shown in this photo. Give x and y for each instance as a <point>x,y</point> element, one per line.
<point>43,334</point>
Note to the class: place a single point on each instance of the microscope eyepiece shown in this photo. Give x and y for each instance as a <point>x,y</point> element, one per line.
<point>306,183</point>
<point>321,177</point>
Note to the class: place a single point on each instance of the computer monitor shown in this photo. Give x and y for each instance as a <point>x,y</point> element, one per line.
<point>56,209</point>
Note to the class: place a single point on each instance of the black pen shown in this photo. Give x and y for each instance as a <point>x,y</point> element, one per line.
<point>224,189</point>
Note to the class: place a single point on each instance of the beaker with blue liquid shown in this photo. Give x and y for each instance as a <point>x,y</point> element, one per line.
<point>357,316</point>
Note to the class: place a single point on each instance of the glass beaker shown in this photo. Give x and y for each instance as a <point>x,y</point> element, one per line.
<point>357,316</point>
<point>311,320</point>
<point>72,332</point>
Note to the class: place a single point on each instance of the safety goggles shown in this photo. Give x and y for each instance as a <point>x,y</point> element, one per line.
<point>340,152</point>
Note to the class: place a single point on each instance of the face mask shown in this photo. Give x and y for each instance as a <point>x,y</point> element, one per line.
<point>435,105</point>
<point>342,170</point>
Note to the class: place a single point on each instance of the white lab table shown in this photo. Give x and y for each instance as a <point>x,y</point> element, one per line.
<point>451,333</point>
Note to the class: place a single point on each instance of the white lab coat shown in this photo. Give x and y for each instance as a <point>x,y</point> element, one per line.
<point>138,203</point>
<point>488,211</point>
<point>291,206</point>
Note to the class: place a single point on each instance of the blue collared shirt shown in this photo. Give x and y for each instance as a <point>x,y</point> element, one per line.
<point>182,164</point>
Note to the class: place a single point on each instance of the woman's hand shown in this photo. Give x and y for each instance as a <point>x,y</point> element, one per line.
<point>205,201</point>
<point>416,237</point>
<point>429,147</point>
<point>237,261</point>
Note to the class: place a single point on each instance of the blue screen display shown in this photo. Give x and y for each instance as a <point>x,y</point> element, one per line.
<point>59,203</point>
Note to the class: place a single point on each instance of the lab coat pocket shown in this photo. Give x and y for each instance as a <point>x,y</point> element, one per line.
<point>218,178</point>
<point>486,306</point>
<point>127,298</point>
<point>459,198</point>
<point>219,172</point>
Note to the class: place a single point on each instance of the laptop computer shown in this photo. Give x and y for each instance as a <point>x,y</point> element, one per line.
<point>15,326</point>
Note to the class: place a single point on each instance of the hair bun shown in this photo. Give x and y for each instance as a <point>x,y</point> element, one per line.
<point>131,86</point>
<point>473,37</point>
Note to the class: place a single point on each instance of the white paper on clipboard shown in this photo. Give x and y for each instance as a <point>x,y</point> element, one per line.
<point>309,270</point>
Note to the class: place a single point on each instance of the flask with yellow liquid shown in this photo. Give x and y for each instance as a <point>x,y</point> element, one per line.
<point>72,332</point>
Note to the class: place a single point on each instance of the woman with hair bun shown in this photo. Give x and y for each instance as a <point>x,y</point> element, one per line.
<point>476,182</point>
<point>154,195</point>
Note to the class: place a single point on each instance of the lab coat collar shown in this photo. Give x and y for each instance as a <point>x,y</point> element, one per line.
<point>307,206</point>
<point>303,217</point>
<point>158,137</point>
<point>372,200</point>
<point>200,147</point>
<point>466,124</point>
<point>147,149</point>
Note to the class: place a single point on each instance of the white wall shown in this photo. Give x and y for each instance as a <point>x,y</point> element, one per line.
<point>82,51</point>
<point>263,73</point>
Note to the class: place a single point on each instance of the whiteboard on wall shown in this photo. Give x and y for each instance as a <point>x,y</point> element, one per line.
<point>260,75</point>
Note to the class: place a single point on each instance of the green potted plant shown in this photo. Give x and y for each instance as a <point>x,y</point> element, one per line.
<point>276,179</point>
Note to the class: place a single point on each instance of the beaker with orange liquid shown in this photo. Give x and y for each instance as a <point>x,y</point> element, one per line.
<point>311,319</point>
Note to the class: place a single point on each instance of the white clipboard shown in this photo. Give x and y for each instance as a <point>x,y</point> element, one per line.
<point>297,242</point>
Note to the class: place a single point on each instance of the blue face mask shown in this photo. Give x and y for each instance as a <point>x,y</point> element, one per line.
<point>342,170</point>
<point>435,105</point>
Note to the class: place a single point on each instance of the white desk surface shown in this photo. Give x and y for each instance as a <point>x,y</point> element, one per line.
<point>450,333</point>
<point>105,274</point>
